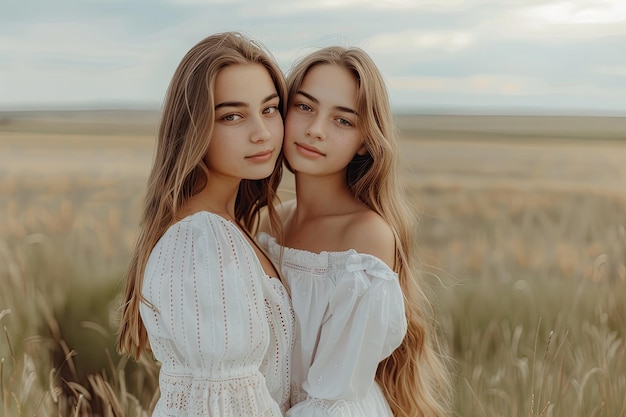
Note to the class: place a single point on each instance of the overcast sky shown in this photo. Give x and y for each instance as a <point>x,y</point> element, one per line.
<point>504,55</point>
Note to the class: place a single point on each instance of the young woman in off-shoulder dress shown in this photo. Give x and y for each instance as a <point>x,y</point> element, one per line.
<point>366,343</point>
<point>199,293</point>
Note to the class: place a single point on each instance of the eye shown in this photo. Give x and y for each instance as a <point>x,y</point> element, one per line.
<point>304,107</point>
<point>344,122</point>
<point>270,110</point>
<point>231,117</point>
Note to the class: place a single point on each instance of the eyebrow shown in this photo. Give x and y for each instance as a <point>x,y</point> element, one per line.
<point>316,101</point>
<point>242,103</point>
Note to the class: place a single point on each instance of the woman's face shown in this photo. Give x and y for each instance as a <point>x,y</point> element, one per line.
<point>248,131</point>
<point>322,132</point>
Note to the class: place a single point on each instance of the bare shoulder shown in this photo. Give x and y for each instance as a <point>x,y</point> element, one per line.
<point>369,233</point>
<point>284,210</point>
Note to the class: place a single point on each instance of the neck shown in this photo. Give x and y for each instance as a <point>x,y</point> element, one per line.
<point>216,197</point>
<point>319,196</point>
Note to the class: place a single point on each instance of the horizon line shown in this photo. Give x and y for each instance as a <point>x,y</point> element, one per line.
<point>424,110</point>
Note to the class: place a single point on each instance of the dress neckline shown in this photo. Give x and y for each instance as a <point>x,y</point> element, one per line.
<point>243,235</point>
<point>272,240</point>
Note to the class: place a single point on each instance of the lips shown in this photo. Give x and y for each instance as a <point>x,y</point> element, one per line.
<point>308,150</point>
<point>261,156</point>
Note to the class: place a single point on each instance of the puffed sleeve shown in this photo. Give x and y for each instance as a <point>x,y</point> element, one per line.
<point>364,323</point>
<point>208,311</point>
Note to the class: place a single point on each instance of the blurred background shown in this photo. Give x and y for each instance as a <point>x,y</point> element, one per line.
<point>512,121</point>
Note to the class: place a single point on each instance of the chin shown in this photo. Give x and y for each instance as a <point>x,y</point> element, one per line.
<point>259,176</point>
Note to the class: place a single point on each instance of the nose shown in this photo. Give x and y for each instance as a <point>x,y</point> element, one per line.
<point>260,131</point>
<point>315,129</point>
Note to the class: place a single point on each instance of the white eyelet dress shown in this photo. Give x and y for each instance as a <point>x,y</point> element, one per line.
<point>350,315</point>
<point>221,329</point>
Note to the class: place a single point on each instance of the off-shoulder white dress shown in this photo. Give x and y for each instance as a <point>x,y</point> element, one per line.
<point>220,327</point>
<point>350,315</point>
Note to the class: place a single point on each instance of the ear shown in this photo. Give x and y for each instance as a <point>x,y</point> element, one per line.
<point>362,151</point>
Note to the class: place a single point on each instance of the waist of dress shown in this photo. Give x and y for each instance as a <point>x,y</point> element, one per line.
<point>200,396</point>
<point>209,375</point>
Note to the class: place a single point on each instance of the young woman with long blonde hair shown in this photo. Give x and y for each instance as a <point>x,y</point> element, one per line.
<point>199,292</point>
<point>366,339</point>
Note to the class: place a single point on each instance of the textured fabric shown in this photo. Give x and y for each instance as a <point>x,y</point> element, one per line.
<point>221,329</point>
<point>276,366</point>
<point>350,315</point>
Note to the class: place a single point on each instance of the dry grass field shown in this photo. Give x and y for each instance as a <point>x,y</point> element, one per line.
<point>522,242</point>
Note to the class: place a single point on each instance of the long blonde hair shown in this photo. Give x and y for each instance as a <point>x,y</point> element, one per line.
<point>415,378</point>
<point>179,172</point>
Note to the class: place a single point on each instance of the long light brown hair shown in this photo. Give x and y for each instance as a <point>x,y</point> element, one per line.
<point>415,378</point>
<point>179,171</point>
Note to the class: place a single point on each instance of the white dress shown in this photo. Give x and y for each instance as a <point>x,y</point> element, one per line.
<point>350,315</point>
<point>221,328</point>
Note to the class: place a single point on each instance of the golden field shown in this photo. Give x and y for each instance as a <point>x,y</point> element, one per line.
<point>522,241</point>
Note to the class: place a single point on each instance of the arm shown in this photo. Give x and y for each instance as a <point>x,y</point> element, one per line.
<point>364,323</point>
<point>203,294</point>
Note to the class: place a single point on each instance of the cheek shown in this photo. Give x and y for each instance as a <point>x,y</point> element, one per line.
<point>218,152</point>
<point>210,157</point>
<point>277,128</point>
<point>291,126</point>
<point>348,148</point>
<point>354,142</point>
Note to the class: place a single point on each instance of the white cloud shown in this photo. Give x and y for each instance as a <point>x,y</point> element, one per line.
<point>615,70</point>
<point>292,7</point>
<point>201,2</point>
<point>96,39</point>
<point>516,88</point>
<point>416,40</point>
<point>480,83</point>
<point>73,62</point>
<point>578,12</point>
<point>91,51</point>
<point>568,20</point>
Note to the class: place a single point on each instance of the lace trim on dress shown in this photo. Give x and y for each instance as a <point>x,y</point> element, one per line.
<point>207,396</point>
<point>322,263</point>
